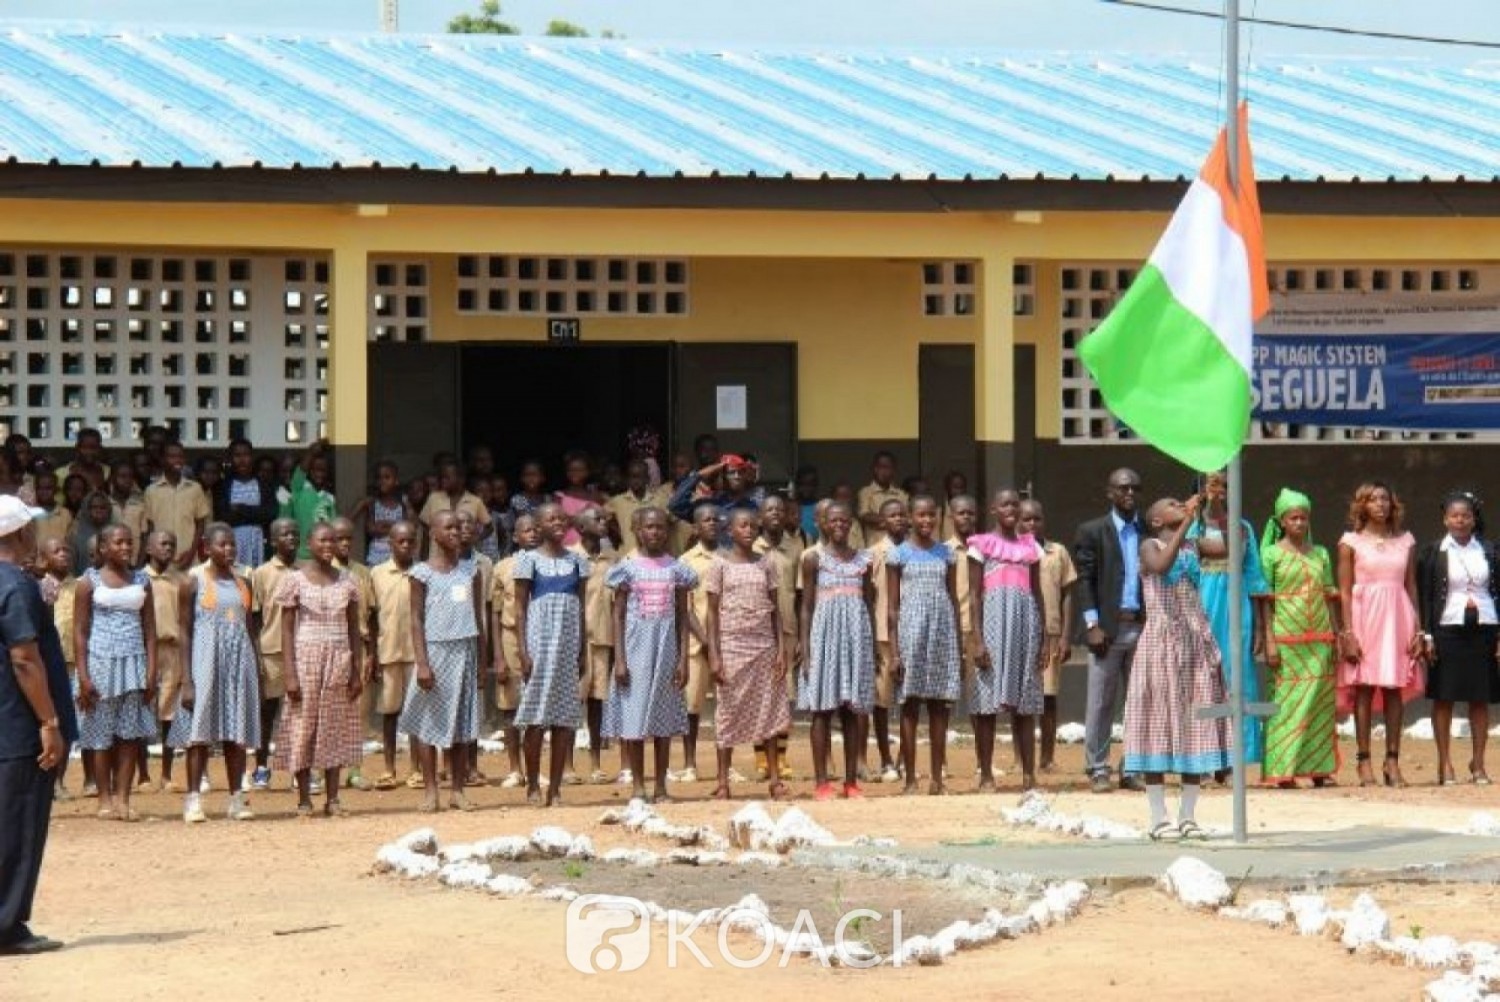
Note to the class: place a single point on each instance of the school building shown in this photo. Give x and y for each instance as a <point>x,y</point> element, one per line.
<point>418,243</point>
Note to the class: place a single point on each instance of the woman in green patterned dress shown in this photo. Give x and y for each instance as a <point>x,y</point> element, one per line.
<point>1302,623</point>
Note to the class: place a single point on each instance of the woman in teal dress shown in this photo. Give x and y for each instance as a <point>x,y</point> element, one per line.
<point>1210,534</point>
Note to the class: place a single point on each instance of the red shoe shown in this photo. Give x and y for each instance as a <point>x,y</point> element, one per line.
<point>823,792</point>
<point>853,792</point>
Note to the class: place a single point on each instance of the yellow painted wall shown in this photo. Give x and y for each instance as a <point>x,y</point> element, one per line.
<point>845,286</point>
<point>856,323</point>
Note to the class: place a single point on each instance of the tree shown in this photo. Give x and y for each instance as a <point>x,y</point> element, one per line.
<point>566,29</point>
<point>486,22</point>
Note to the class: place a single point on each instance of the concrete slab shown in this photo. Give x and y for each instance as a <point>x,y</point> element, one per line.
<point>1351,856</point>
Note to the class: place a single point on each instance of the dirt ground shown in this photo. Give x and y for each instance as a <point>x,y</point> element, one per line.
<point>287,909</point>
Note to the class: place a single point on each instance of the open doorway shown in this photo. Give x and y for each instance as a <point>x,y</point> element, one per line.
<point>530,401</point>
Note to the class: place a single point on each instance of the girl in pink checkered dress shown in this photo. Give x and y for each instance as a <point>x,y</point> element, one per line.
<point>1176,671</point>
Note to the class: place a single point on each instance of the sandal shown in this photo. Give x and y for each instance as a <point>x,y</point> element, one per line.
<point>129,815</point>
<point>1479,778</point>
<point>459,802</point>
<point>1189,830</point>
<point>429,806</point>
<point>334,809</point>
<point>1366,772</point>
<point>1163,832</point>
<point>304,810</point>
<point>387,781</point>
<point>1391,770</point>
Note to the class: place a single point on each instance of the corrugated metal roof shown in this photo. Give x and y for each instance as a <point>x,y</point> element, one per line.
<point>562,106</point>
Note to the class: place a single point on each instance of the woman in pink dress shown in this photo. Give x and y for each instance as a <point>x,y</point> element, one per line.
<point>1381,644</point>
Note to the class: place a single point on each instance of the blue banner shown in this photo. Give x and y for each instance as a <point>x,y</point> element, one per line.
<point>1418,381</point>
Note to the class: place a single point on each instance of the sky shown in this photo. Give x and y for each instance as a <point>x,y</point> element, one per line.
<point>1077,25</point>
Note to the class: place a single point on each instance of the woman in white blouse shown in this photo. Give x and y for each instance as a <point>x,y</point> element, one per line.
<point>1458,584</point>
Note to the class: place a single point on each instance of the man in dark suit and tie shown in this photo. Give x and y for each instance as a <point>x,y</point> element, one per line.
<point>1107,554</point>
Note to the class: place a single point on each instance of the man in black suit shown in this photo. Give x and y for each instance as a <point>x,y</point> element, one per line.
<point>1107,554</point>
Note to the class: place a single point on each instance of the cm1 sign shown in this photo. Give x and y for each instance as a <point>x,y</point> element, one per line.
<point>563,330</point>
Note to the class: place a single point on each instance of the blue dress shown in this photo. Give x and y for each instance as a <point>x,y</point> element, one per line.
<point>926,631</point>
<point>1213,589</point>
<point>448,713</point>
<point>553,623</point>
<point>225,674</point>
<point>117,665</point>
<point>651,704</point>
<point>839,665</point>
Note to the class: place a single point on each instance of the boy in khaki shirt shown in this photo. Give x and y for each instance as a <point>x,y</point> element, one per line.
<point>130,507</point>
<point>1058,577</point>
<point>875,495</point>
<point>390,625</point>
<point>264,582</point>
<point>178,505</point>
<point>894,525</point>
<point>166,587</point>
<point>786,554</point>
<point>507,649</point>
<point>963,512</point>
<point>620,510</point>
<point>364,661</point>
<point>699,557</point>
<point>598,602</point>
<point>59,520</point>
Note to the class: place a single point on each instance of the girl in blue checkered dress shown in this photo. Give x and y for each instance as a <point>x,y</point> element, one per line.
<point>114,630</point>
<point>645,693</point>
<point>549,582</point>
<point>442,698</point>
<point>922,582</point>
<point>221,684</point>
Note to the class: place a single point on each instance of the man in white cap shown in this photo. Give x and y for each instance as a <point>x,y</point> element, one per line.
<point>37,725</point>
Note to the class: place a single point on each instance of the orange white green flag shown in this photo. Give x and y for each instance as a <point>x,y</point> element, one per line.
<point>1173,358</point>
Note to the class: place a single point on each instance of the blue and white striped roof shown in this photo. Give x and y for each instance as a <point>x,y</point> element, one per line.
<point>562,106</point>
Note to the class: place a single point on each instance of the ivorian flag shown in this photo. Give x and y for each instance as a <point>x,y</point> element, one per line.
<point>1173,357</point>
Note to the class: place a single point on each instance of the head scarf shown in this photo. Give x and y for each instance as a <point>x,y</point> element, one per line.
<point>1286,501</point>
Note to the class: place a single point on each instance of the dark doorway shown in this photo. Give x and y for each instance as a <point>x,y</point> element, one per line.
<point>530,401</point>
<point>945,403</point>
<point>413,405</point>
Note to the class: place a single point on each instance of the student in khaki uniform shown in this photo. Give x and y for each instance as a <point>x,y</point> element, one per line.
<point>468,539</point>
<point>873,496</point>
<point>786,552</point>
<point>598,601</point>
<point>620,510</point>
<point>453,495</point>
<point>166,587</point>
<point>1058,577</point>
<point>699,558</point>
<point>264,582</point>
<point>963,512</point>
<point>129,505</point>
<point>87,462</point>
<point>177,504</point>
<point>894,525</point>
<point>343,559</point>
<point>955,486</point>
<point>507,649</point>
<point>390,588</point>
<point>59,521</point>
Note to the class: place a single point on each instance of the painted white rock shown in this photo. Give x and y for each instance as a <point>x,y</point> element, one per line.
<point>881,842</point>
<point>1455,986</point>
<point>631,857</point>
<point>1310,911</point>
<point>507,885</point>
<point>1483,823</point>
<point>751,827</point>
<point>794,829</point>
<point>1072,734</point>
<point>469,873</point>
<point>758,859</point>
<point>697,857</point>
<point>558,893</point>
<point>1195,883</point>
<point>503,847</point>
<point>1265,911</point>
<point>551,841</point>
<point>1365,924</point>
<point>1064,900</point>
<point>582,847</point>
<point>423,840</point>
<point>394,858</point>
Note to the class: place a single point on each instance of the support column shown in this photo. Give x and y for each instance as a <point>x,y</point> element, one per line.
<point>994,374</point>
<point>348,407</point>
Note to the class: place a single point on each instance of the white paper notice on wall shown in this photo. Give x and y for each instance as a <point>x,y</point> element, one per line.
<point>733,409</point>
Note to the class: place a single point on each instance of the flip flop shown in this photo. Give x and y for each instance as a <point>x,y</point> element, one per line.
<point>1189,831</point>
<point>1163,832</point>
<point>387,781</point>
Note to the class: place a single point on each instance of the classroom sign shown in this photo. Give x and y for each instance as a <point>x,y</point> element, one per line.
<point>1428,363</point>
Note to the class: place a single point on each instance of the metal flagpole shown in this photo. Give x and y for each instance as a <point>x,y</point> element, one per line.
<point>1236,535</point>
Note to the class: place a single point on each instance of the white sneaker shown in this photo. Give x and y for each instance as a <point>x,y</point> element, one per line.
<point>315,786</point>
<point>890,775</point>
<point>735,776</point>
<point>688,775</point>
<point>626,778</point>
<point>239,808</point>
<point>192,809</point>
<point>205,785</point>
<point>512,781</point>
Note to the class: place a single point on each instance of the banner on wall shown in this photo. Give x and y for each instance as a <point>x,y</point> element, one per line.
<point>1429,363</point>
